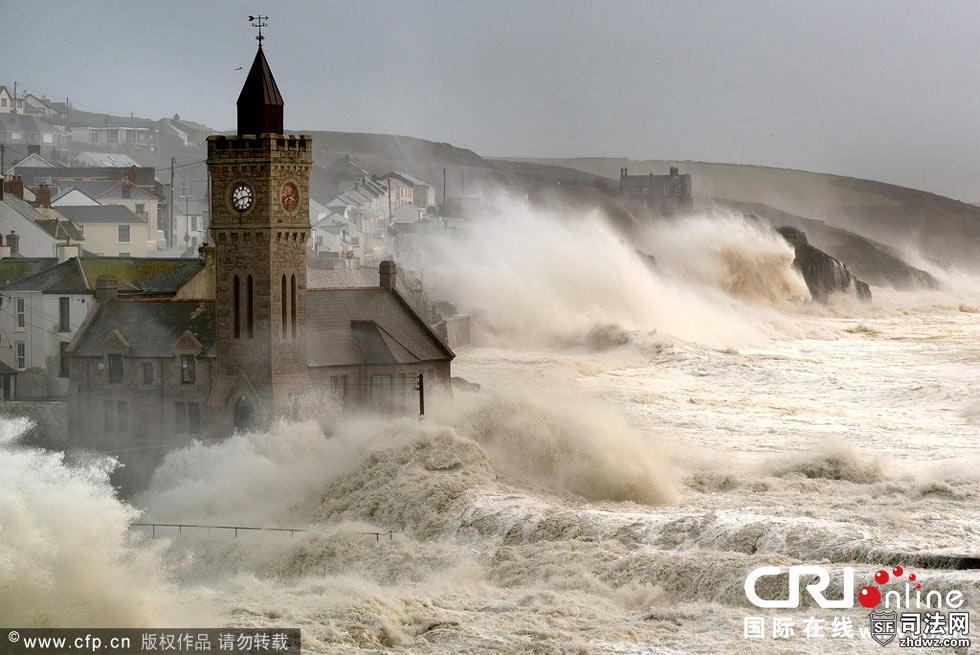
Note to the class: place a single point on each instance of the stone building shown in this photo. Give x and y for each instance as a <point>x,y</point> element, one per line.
<point>257,344</point>
<point>666,193</point>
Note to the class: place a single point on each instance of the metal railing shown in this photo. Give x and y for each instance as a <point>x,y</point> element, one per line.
<point>235,528</point>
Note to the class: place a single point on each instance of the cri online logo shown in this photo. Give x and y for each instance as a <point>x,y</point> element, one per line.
<point>869,596</point>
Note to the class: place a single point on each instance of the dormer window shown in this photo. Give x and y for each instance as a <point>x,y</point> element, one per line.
<point>188,369</point>
<point>115,368</point>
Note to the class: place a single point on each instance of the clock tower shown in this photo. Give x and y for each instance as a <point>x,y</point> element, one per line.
<point>260,223</point>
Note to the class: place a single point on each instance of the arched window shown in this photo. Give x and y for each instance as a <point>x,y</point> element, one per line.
<point>250,309</point>
<point>237,293</point>
<point>292,305</point>
<point>284,301</point>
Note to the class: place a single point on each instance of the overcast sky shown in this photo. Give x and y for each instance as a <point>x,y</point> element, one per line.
<point>885,90</point>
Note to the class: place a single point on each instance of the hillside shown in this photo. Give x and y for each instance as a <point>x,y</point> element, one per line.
<point>912,222</point>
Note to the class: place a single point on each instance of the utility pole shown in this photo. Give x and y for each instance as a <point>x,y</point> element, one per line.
<point>3,174</point>
<point>421,390</point>
<point>444,192</point>
<point>172,239</point>
<point>187,210</point>
<point>390,215</point>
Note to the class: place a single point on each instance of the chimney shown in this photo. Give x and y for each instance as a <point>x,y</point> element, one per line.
<point>4,250</point>
<point>673,170</point>
<point>34,150</point>
<point>106,288</point>
<point>387,274</point>
<point>126,190</point>
<point>66,251</point>
<point>13,240</point>
<point>208,254</point>
<point>131,174</point>
<point>43,196</point>
<point>16,186</point>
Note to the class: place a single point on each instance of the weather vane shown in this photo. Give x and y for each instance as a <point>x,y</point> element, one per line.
<point>259,22</point>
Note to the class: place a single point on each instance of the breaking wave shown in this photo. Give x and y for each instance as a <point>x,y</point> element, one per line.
<point>67,556</point>
<point>534,277</point>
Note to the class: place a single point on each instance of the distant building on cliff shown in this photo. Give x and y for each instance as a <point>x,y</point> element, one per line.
<point>666,193</point>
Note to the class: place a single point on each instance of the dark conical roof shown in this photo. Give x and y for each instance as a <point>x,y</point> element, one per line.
<point>259,103</point>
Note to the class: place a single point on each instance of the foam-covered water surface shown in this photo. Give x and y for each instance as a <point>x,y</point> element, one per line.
<point>607,490</point>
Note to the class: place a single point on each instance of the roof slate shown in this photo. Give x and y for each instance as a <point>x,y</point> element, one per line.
<point>151,328</point>
<point>364,326</point>
<point>100,215</point>
<point>134,276</point>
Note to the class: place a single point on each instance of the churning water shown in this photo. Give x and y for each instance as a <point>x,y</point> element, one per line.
<point>643,439</point>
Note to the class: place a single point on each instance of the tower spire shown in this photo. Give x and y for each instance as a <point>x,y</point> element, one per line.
<point>260,103</point>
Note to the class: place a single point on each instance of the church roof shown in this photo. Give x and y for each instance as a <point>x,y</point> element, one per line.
<point>151,328</point>
<point>366,326</point>
<point>260,103</point>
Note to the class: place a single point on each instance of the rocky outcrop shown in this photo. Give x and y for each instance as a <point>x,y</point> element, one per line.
<point>823,274</point>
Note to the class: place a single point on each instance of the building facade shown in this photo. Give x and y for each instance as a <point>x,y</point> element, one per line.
<point>666,193</point>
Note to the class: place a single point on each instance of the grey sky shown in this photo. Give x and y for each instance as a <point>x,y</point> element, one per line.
<point>885,90</point>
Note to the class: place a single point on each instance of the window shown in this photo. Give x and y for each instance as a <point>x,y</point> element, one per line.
<point>123,234</point>
<point>115,368</point>
<point>116,415</point>
<point>3,102</point>
<point>338,387</point>
<point>188,369</point>
<point>380,391</point>
<point>63,368</point>
<point>147,373</point>
<point>187,418</point>
<point>21,355</point>
<point>64,314</point>
<point>140,208</point>
<point>193,223</point>
<point>292,306</point>
<point>237,305</point>
<point>124,254</point>
<point>21,319</point>
<point>284,299</point>
<point>250,309</point>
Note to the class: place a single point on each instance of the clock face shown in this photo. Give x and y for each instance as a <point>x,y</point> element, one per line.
<point>289,197</point>
<point>242,197</point>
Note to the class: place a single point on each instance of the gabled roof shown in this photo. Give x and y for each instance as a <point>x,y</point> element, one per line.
<point>377,346</point>
<point>317,278</point>
<point>151,328</point>
<point>136,276</point>
<point>404,177</point>
<point>104,159</point>
<point>144,175</point>
<point>62,230</point>
<point>109,190</point>
<point>101,215</point>
<point>366,326</point>
<point>344,168</point>
<point>260,103</point>
<point>72,201</point>
<point>17,268</point>
<point>32,160</point>
<point>26,124</point>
